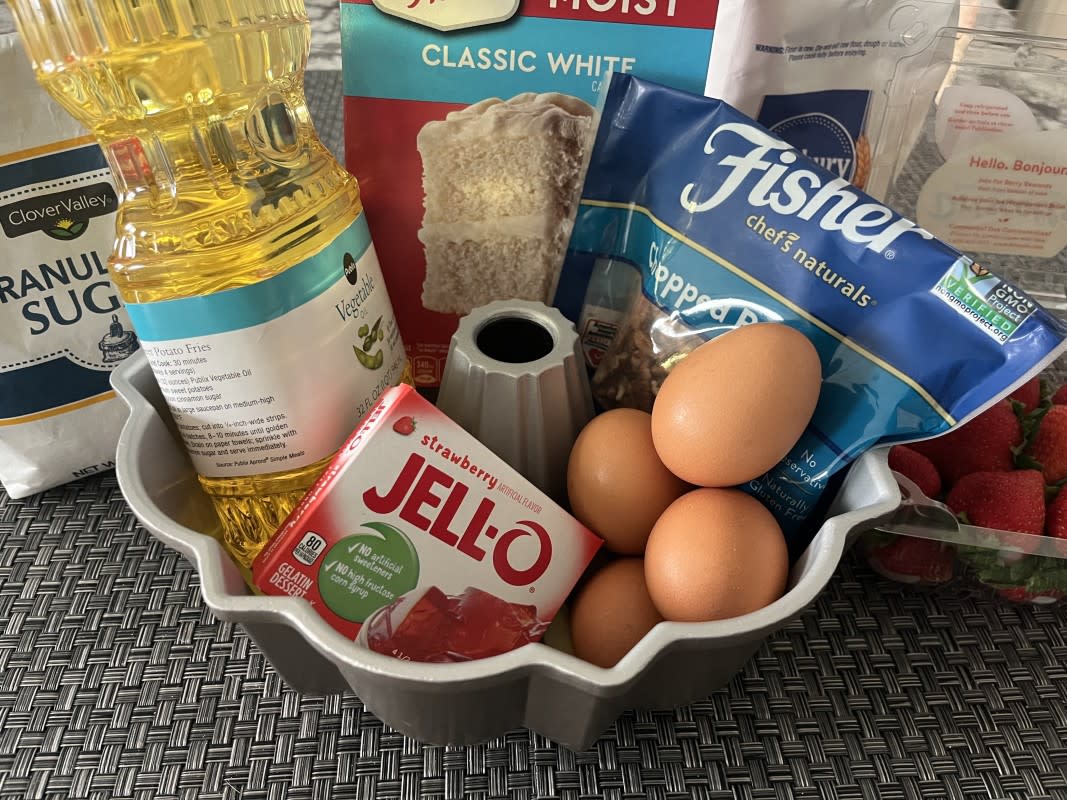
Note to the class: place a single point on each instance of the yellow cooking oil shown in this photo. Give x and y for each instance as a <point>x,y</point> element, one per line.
<point>241,250</point>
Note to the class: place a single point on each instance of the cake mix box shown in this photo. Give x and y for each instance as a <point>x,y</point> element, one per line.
<point>425,545</point>
<point>466,124</point>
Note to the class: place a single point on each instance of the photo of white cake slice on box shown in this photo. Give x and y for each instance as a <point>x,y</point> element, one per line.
<point>501,180</point>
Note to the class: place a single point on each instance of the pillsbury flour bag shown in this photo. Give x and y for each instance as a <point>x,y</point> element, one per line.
<point>727,224</point>
<point>815,72</point>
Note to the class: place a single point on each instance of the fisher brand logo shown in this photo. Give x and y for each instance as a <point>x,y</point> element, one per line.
<point>793,191</point>
<point>61,215</point>
<point>447,15</point>
<point>998,308</point>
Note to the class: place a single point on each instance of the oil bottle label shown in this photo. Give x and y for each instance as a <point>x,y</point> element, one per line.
<point>272,377</point>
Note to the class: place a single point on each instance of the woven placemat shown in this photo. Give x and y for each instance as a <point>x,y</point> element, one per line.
<point>115,682</point>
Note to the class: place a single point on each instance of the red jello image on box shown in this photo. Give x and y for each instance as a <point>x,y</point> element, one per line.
<point>433,626</point>
<point>419,535</point>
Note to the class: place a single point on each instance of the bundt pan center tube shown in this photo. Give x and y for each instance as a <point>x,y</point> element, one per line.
<point>515,379</point>
<point>556,694</point>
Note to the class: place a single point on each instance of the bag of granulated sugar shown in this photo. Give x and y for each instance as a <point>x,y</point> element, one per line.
<point>62,325</point>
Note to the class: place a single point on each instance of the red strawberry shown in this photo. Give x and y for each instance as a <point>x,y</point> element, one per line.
<point>917,467</point>
<point>1007,501</point>
<point>1049,447</point>
<point>1029,394</point>
<point>1020,594</point>
<point>911,560</point>
<point>1014,575</point>
<point>1056,517</point>
<point>1060,398</point>
<point>405,426</point>
<point>982,445</point>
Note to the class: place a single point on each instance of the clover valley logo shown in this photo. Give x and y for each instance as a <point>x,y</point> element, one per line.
<point>60,215</point>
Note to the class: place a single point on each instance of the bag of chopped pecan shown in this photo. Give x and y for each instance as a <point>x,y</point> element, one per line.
<point>815,72</point>
<point>649,343</point>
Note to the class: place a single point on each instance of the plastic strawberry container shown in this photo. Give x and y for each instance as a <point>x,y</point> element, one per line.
<point>928,544</point>
<point>1011,566</point>
<point>925,544</point>
<point>958,181</point>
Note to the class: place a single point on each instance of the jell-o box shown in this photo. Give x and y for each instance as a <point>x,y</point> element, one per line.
<point>420,543</point>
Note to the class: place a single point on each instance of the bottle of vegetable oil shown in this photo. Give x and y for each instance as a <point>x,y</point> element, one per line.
<point>242,252</point>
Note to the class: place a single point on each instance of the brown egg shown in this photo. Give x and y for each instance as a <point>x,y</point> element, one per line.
<point>616,483</point>
<point>734,407</point>
<point>612,612</point>
<point>558,636</point>
<point>715,554</point>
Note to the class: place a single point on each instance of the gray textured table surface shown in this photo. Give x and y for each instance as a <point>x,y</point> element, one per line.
<point>115,682</point>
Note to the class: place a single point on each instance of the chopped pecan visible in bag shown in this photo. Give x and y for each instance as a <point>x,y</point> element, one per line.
<point>646,348</point>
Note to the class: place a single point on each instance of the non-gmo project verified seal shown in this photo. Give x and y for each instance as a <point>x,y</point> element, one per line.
<point>993,305</point>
